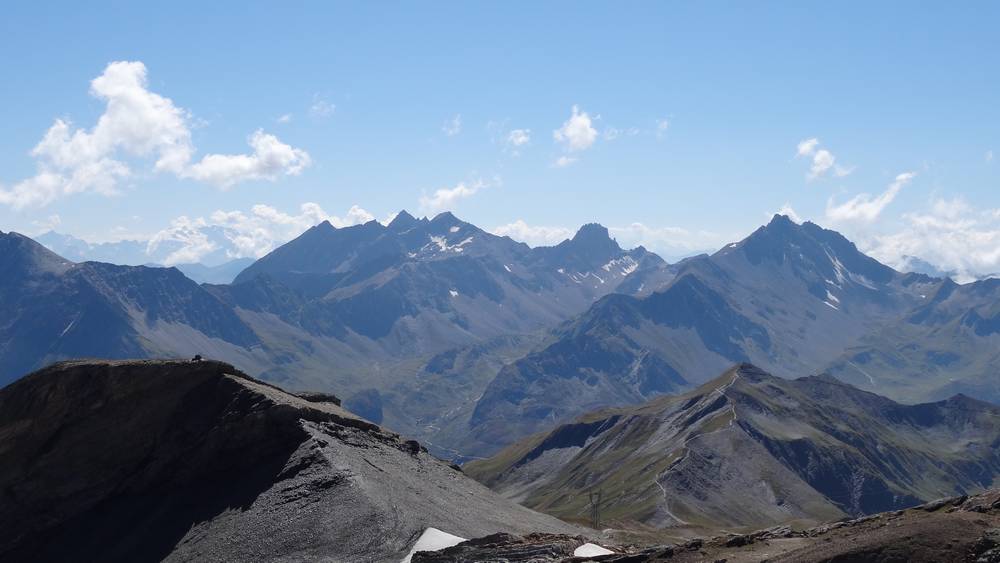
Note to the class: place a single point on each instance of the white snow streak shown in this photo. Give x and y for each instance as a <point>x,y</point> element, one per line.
<point>591,550</point>
<point>432,540</point>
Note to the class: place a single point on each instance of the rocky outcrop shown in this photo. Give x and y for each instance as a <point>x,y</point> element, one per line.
<point>956,529</point>
<point>506,547</point>
<point>181,461</point>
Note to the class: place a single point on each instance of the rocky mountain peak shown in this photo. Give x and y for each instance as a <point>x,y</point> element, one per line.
<point>815,254</point>
<point>445,217</point>
<point>595,235</point>
<point>23,256</point>
<point>402,221</point>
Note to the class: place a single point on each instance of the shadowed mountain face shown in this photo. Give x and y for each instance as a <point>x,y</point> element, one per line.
<point>473,341</point>
<point>789,297</point>
<point>179,461</point>
<point>950,344</point>
<point>751,450</point>
<point>438,283</point>
<point>54,309</point>
<point>423,310</point>
<point>357,309</point>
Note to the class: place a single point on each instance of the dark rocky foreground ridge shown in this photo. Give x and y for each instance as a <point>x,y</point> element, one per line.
<point>180,461</point>
<point>956,529</point>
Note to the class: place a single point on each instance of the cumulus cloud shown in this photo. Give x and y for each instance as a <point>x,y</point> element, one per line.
<point>452,126</point>
<point>807,147</point>
<point>270,159</point>
<point>789,212</point>
<point>564,161</point>
<point>864,207</point>
<point>533,235</point>
<point>136,123</point>
<point>190,235</point>
<point>242,234</point>
<point>577,133</point>
<point>823,161</point>
<point>669,241</point>
<point>950,234</point>
<point>447,198</point>
<point>285,118</point>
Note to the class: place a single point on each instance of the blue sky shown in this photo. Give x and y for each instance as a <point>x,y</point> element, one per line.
<point>689,119</point>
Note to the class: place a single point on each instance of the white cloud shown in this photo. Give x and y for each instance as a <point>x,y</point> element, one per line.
<point>807,147</point>
<point>577,133</point>
<point>243,235</point>
<point>864,207</point>
<point>190,234</point>
<point>321,108</point>
<point>613,133</point>
<point>518,138</point>
<point>286,118</point>
<point>669,241</point>
<point>564,161</point>
<point>823,161</point>
<point>661,127</point>
<point>136,123</point>
<point>789,212</point>
<point>270,159</point>
<point>952,235</point>
<point>447,198</point>
<point>989,156</point>
<point>533,235</point>
<point>452,126</point>
<point>48,224</point>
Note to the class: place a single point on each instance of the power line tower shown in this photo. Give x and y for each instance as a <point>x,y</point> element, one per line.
<point>595,508</point>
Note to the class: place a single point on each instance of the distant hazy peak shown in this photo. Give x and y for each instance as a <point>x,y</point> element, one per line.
<point>402,221</point>
<point>445,217</point>
<point>593,232</point>
<point>324,226</point>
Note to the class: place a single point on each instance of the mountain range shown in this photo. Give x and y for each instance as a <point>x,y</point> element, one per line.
<point>470,341</point>
<point>790,298</point>
<point>749,450</point>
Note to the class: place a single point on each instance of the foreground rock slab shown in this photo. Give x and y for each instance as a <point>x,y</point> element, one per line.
<point>958,529</point>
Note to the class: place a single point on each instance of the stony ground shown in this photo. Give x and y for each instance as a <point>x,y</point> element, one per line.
<point>956,529</point>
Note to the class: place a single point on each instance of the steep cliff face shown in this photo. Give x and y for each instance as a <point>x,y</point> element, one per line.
<point>150,461</point>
